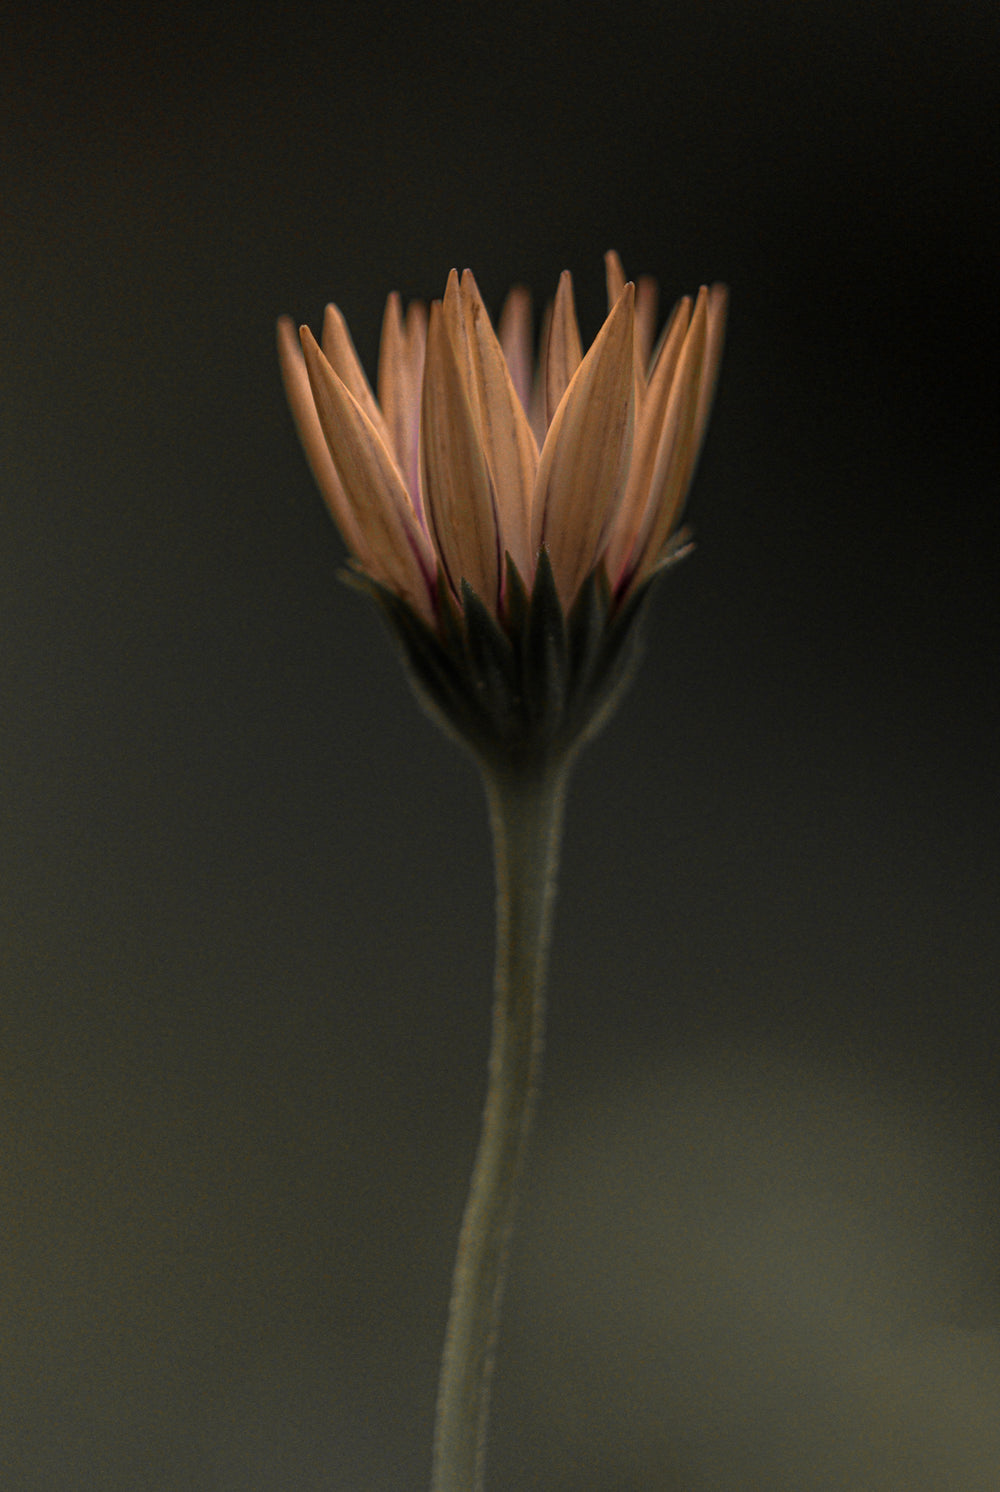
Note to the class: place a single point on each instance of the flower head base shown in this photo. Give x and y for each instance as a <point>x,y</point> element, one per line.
<point>509,523</point>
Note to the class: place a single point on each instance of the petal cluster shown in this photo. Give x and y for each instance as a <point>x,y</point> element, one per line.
<point>471,453</point>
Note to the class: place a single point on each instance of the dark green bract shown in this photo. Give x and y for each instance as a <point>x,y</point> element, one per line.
<point>530,689</point>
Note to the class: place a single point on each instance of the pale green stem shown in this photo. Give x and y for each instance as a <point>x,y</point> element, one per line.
<point>526,815</point>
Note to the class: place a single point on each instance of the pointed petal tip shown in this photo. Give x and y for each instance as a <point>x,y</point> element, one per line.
<point>587,448</point>
<point>624,305</point>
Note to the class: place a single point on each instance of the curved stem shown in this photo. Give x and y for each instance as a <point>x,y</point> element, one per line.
<point>526,816</point>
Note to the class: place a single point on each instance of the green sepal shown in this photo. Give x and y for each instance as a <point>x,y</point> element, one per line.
<point>543,653</point>
<point>515,599</point>
<point>532,686</point>
<point>616,663</point>
<point>439,682</point>
<point>493,671</point>
<point>449,617</point>
<point>586,628</point>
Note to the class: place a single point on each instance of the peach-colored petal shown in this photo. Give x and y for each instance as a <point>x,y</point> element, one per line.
<point>454,320</point>
<point>451,304</point>
<point>416,338</point>
<point>718,302</point>
<point>537,415</point>
<point>392,375</point>
<point>415,328</point>
<point>649,424</point>
<point>514,333</point>
<point>453,313</point>
<point>504,432</point>
<point>614,276</point>
<point>338,349</point>
<point>458,492</point>
<point>647,304</point>
<point>646,297</point>
<point>394,548</point>
<point>678,445</point>
<point>563,350</point>
<point>399,395</point>
<point>303,407</point>
<point>585,458</point>
<point>442,474</point>
<point>683,433</point>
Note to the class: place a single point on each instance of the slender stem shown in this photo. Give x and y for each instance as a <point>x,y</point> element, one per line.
<point>526,816</point>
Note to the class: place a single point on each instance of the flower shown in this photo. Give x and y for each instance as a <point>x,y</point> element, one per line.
<point>474,492</point>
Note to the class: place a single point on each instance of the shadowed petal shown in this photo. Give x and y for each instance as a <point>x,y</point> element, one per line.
<point>399,395</point>
<point>649,425</point>
<point>677,448</point>
<point>647,304</point>
<point>536,413</point>
<point>394,548</point>
<point>454,320</point>
<point>586,454</point>
<point>718,302</point>
<point>451,305</point>
<point>506,437</point>
<point>433,484</point>
<point>339,351</point>
<point>458,492</point>
<point>393,375</point>
<point>646,299</point>
<point>563,349</point>
<point>416,339</point>
<point>514,333</point>
<point>683,432</point>
<point>415,327</point>
<point>303,407</point>
<point>614,276</point>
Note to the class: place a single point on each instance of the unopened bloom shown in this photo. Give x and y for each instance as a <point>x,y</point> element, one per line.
<point>509,519</point>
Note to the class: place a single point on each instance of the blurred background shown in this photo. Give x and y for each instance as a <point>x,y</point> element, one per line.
<point>246,887</point>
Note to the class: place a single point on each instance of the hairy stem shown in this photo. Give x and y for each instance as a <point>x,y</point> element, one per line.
<point>526,811</point>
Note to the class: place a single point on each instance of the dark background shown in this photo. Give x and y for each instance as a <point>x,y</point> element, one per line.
<point>246,888</point>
